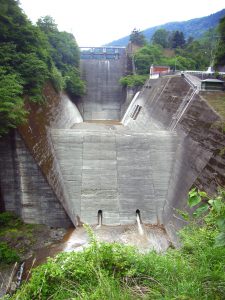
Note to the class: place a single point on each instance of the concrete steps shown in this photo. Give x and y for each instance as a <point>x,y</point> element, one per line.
<point>116,171</point>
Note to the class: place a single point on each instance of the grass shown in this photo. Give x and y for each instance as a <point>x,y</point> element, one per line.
<point>16,238</point>
<point>217,101</point>
<point>112,271</point>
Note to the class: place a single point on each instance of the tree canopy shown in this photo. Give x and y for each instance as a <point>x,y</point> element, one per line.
<point>137,38</point>
<point>191,54</point>
<point>220,52</point>
<point>171,49</point>
<point>161,37</point>
<point>29,56</point>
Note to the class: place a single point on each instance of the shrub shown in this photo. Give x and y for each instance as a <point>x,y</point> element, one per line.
<point>133,80</point>
<point>7,254</point>
<point>113,271</point>
<point>6,218</point>
<point>74,85</point>
<point>211,211</point>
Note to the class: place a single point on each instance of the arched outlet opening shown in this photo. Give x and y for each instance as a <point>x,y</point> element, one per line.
<point>100,217</point>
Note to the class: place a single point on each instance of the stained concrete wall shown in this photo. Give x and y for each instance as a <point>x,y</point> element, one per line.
<point>26,191</point>
<point>159,101</point>
<point>9,178</point>
<point>200,159</point>
<point>31,176</point>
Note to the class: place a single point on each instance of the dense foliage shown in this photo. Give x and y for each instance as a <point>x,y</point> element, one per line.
<point>19,240</point>
<point>113,271</point>
<point>183,55</point>
<point>168,39</point>
<point>171,49</point>
<point>65,55</point>
<point>220,53</point>
<point>213,211</point>
<point>137,37</point>
<point>133,80</point>
<point>29,56</point>
<point>8,254</point>
<point>12,112</point>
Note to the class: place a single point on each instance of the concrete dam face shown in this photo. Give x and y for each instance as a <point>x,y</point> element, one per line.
<point>107,166</point>
<point>104,95</point>
<point>99,160</point>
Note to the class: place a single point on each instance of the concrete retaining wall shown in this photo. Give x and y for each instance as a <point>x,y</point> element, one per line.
<point>31,176</point>
<point>25,189</point>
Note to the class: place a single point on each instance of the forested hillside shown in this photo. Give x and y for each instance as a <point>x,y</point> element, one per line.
<point>30,55</point>
<point>173,50</point>
<point>193,28</point>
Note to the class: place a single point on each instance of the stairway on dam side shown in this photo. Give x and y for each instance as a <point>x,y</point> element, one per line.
<point>110,168</point>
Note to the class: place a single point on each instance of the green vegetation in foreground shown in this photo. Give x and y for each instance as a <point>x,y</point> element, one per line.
<point>112,271</point>
<point>17,238</point>
<point>31,55</point>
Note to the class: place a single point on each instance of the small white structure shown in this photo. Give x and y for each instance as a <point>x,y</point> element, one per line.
<point>156,71</point>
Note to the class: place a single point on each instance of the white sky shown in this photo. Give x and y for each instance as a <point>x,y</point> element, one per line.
<point>97,22</point>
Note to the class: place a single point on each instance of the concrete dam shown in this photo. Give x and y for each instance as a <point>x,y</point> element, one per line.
<point>111,156</point>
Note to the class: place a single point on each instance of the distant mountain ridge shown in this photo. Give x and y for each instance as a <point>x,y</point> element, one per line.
<point>194,27</point>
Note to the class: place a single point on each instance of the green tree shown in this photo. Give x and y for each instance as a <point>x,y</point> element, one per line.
<point>34,72</point>
<point>29,56</point>
<point>160,37</point>
<point>12,112</point>
<point>220,51</point>
<point>47,24</point>
<point>137,38</point>
<point>146,56</point>
<point>74,85</point>
<point>65,54</point>
<point>180,63</point>
<point>177,39</point>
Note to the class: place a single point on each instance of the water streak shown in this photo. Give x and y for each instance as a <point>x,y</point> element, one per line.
<point>140,228</point>
<point>99,218</point>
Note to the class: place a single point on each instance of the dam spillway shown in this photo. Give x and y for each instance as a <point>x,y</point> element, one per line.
<point>111,167</point>
<point>66,165</point>
<point>104,95</point>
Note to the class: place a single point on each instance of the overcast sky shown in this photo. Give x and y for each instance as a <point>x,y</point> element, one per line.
<point>96,22</point>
